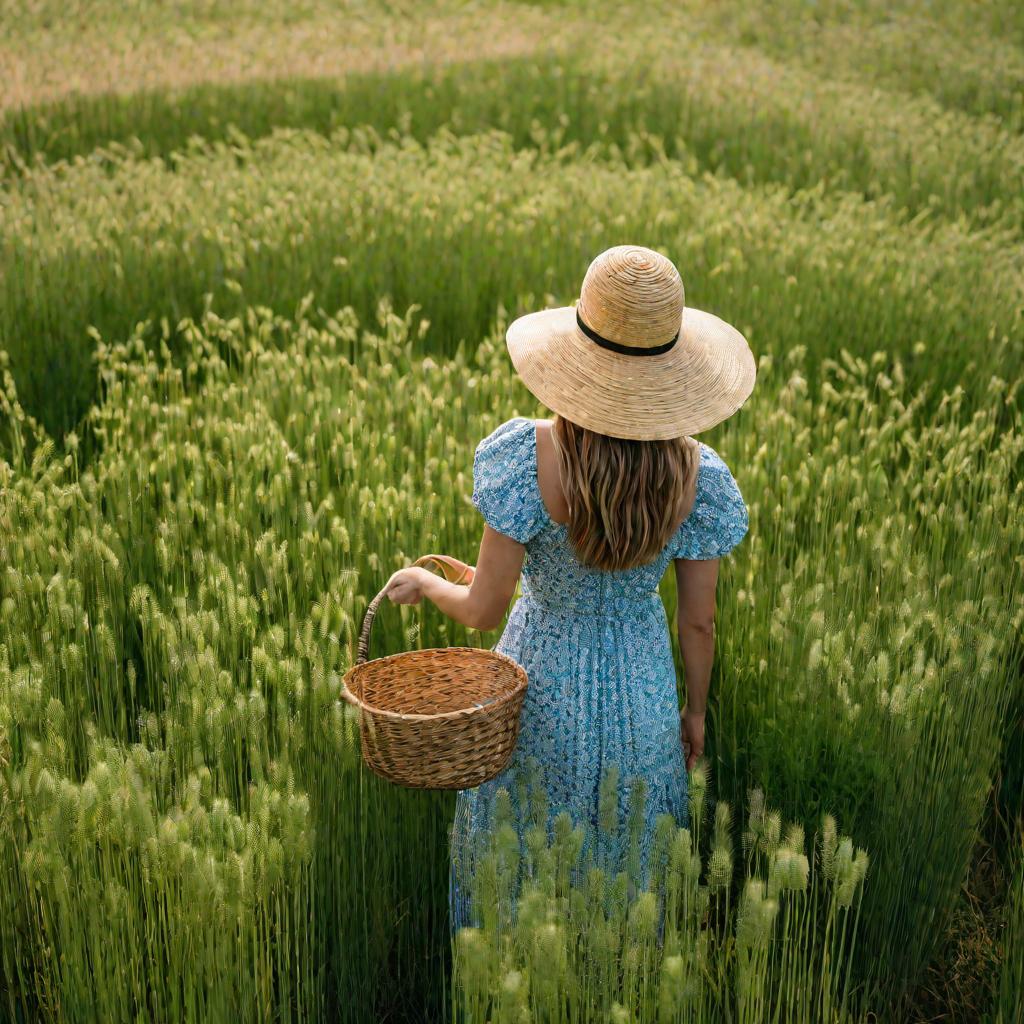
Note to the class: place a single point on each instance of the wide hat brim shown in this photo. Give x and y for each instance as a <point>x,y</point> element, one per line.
<point>699,382</point>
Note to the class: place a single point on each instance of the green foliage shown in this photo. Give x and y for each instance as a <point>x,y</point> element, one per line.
<point>1010,983</point>
<point>201,483</point>
<point>671,943</point>
<point>191,596</point>
<point>462,226</point>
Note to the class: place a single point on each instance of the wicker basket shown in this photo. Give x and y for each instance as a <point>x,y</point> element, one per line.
<point>441,718</point>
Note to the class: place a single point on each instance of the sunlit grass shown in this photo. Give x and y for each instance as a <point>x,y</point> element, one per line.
<point>187,596</point>
<point>730,108</point>
<point>960,55</point>
<point>661,932</point>
<point>462,225</point>
<point>186,830</point>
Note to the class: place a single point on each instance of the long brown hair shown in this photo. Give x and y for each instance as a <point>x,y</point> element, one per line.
<point>626,498</point>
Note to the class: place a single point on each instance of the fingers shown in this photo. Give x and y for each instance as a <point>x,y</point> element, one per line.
<point>397,588</point>
<point>403,588</point>
<point>693,752</point>
<point>403,593</point>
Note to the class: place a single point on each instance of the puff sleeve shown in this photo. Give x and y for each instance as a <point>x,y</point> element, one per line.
<point>719,519</point>
<point>505,480</point>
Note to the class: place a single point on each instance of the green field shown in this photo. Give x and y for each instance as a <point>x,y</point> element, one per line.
<point>256,262</point>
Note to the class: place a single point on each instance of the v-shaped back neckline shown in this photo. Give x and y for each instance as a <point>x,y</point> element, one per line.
<point>552,522</point>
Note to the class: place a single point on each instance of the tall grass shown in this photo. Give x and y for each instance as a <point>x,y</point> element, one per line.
<point>173,630</point>
<point>463,225</point>
<point>1010,983</point>
<point>199,272</point>
<point>862,664</point>
<point>563,937</point>
<point>178,609</point>
<point>952,53</point>
<point>730,109</point>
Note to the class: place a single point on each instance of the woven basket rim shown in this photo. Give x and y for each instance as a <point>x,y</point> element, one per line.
<point>416,716</point>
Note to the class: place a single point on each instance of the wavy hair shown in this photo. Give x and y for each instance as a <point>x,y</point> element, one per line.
<point>625,497</point>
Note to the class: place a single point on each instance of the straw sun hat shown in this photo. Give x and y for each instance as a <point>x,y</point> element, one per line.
<point>631,359</point>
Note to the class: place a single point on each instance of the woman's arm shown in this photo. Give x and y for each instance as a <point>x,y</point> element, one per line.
<point>696,582</point>
<point>481,605</point>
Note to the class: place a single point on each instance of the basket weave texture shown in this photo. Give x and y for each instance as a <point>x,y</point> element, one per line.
<point>440,718</point>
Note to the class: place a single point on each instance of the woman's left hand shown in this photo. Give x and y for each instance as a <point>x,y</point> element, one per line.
<point>406,585</point>
<point>692,732</point>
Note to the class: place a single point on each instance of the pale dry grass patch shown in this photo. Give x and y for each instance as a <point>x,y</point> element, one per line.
<point>322,46</point>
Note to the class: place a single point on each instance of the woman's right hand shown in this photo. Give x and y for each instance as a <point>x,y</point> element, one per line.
<point>692,732</point>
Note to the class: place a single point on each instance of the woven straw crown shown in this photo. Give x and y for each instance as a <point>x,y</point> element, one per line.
<point>632,296</point>
<point>631,359</point>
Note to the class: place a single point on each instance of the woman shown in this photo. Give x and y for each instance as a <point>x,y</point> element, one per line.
<point>590,508</point>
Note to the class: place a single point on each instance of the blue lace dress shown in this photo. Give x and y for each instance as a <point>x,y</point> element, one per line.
<point>596,648</point>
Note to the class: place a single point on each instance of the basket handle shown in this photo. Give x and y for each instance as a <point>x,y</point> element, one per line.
<point>453,570</point>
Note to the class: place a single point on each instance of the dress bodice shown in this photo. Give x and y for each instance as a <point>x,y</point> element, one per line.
<point>506,491</point>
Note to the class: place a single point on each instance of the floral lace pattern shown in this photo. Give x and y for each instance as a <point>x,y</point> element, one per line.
<point>596,648</point>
